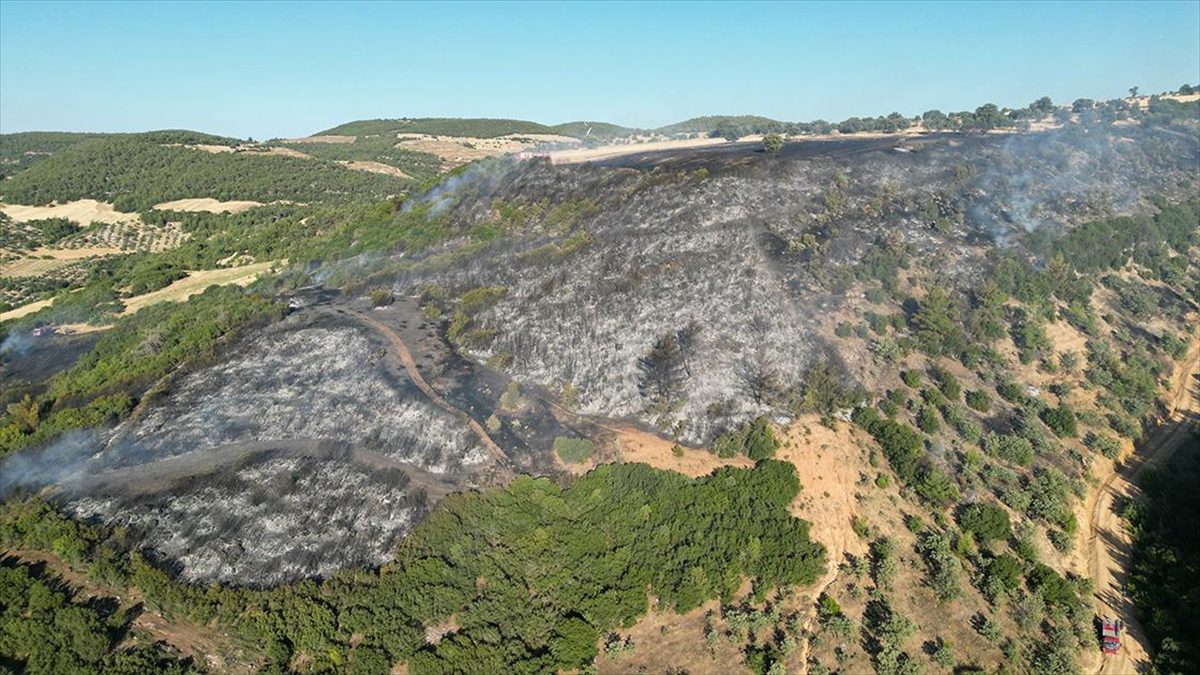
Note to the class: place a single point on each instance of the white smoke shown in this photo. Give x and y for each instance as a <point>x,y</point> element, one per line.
<point>16,344</point>
<point>63,462</point>
<point>441,196</point>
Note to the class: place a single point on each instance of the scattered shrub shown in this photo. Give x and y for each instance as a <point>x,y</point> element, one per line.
<point>1104,444</point>
<point>573,450</point>
<point>979,400</point>
<point>987,522</point>
<point>381,297</point>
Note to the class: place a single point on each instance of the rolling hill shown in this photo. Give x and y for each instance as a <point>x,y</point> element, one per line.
<point>439,126</point>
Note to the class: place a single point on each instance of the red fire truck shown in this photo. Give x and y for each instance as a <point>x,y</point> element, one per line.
<point>1110,635</point>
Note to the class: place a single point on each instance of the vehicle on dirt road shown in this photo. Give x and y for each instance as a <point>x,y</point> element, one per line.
<point>1110,635</point>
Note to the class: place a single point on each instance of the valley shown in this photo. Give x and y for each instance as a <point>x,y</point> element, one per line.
<point>875,398</point>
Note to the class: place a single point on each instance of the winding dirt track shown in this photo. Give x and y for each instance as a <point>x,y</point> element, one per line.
<point>1108,546</point>
<point>410,367</point>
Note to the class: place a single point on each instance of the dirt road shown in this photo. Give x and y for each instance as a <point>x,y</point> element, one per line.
<point>207,644</point>
<point>1108,545</point>
<point>410,367</point>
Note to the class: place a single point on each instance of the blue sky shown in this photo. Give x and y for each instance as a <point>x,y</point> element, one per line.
<point>279,69</point>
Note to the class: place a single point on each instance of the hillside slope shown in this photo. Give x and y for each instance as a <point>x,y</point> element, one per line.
<point>877,380</point>
<point>439,126</point>
<point>760,257</point>
<point>135,173</point>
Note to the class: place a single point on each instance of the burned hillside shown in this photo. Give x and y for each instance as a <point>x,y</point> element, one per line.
<point>305,450</point>
<point>691,295</point>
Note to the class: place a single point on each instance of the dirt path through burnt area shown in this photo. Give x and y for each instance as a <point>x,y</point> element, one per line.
<point>410,367</point>
<point>1109,546</point>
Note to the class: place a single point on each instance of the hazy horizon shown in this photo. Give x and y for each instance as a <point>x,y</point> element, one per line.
<point>290,69</point>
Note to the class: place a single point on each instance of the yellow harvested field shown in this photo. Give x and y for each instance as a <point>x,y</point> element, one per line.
<point>253,148</point>
<point>35,263</point>
<point>207,204</point>
<point>320,139</point>
<point>215,149</point>
<point>84,212</point>
<point>375,167</point>
<point>197,282</point>
<point>537,138</point>
<point>577,155</point>
<point>1143,102</point>
<point>456,150</point>
<point>25,309</point>
<point>286,152</point>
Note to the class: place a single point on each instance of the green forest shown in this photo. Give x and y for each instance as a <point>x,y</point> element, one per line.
<point>418,165</point>
<point>104,385</point>
<point>21,150</point>
<point>46,628</point>
<point>589,553</point>
<point>135,173</point>
<point>592,130</point>
<point>1166,559</point>
<point>592,553</point>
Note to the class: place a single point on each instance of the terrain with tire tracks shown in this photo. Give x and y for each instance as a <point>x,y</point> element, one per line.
<point>1108,546</point>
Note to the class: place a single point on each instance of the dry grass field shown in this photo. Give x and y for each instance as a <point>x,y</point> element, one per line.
<point>375,167</point>
<point>197,282</point>
<point>458,150</point>
<point>84,211</point>
<point>45,260</point>
<point>207,204</point>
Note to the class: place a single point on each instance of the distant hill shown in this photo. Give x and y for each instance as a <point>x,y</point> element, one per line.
<point>440,126</point>
<point>21,150</point>
<point>134,172</point>
<point>745,124</point>
<point>602,130</point>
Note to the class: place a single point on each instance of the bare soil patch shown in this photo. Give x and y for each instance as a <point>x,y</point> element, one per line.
<point>666,642</point>
<point>1143,102</point>
<point>80,328</point>
<point>829,463</point>
<point>375,167</point>
<point>642,446</point>
<point>286,152</point>
<point>215,149</point>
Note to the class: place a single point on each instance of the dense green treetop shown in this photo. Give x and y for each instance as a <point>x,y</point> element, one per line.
<point>21,150</point>
<point>589,130</point>
<point>532,574</point>
<point>744,124</point>
<point>135,174</point>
